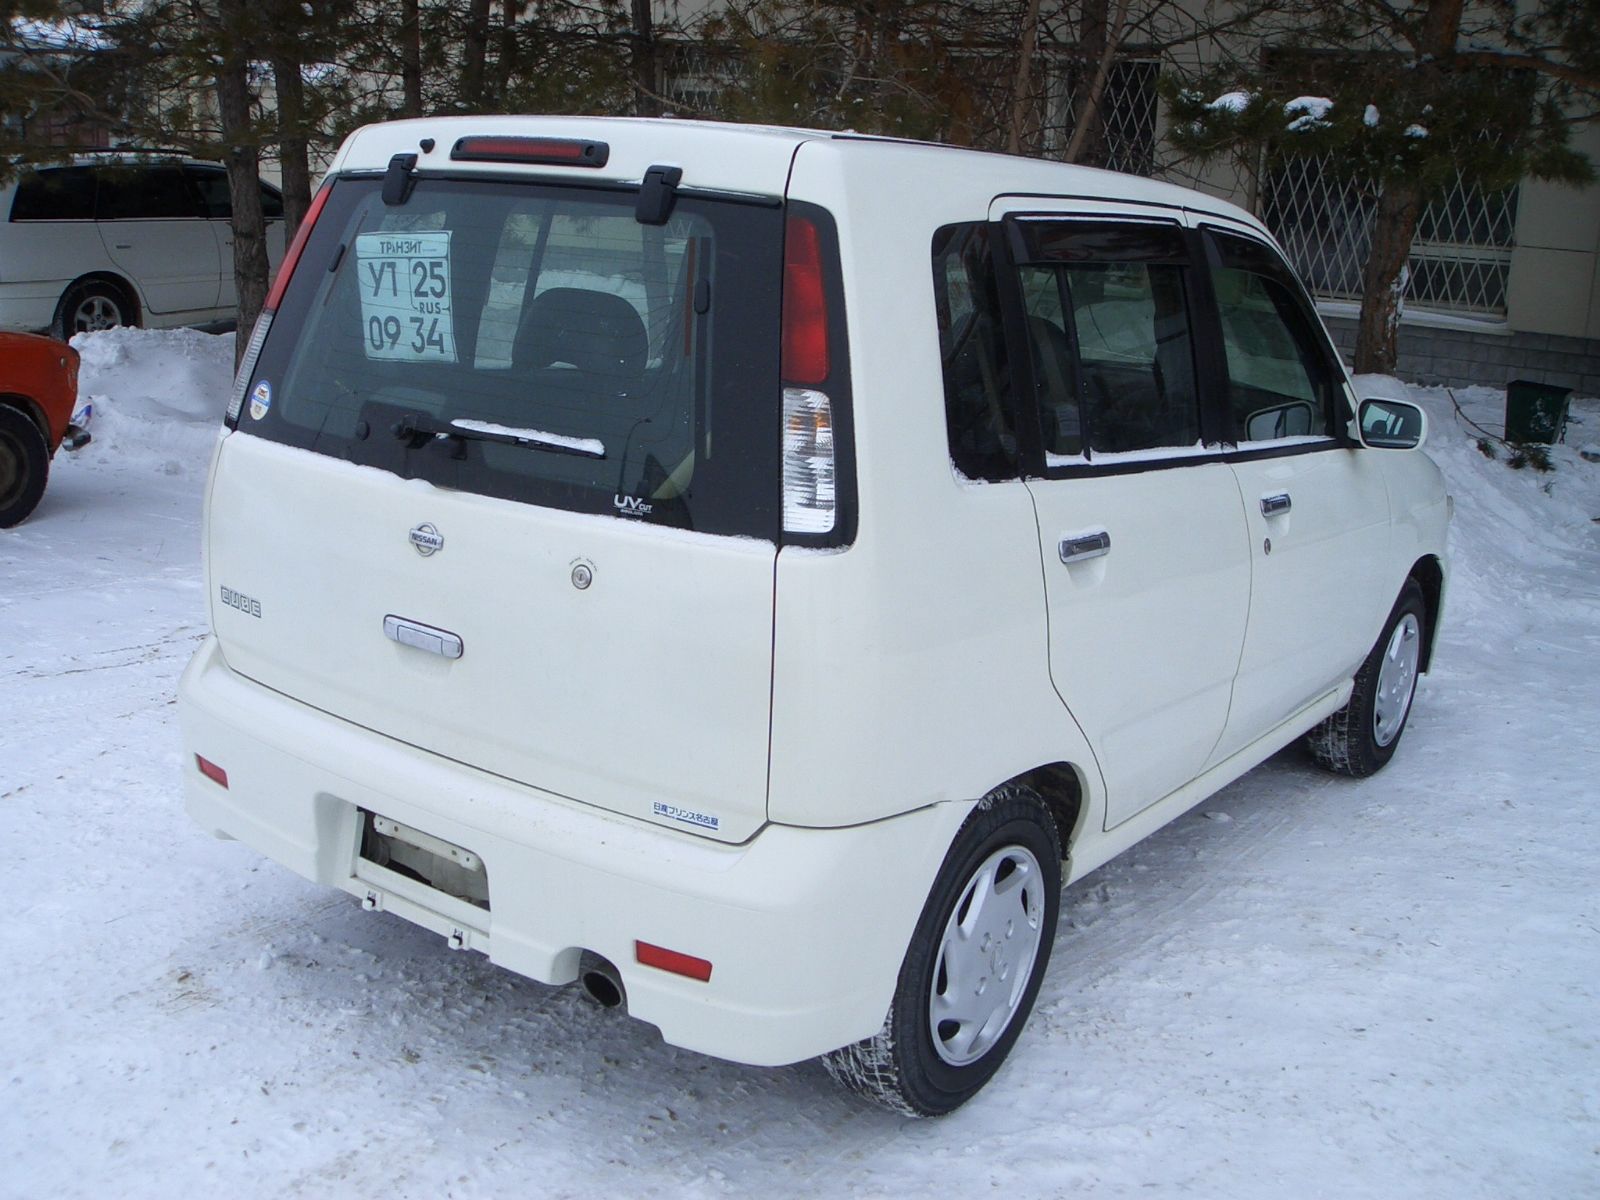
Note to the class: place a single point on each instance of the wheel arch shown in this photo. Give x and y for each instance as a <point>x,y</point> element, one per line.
<point>1060,785</point>
<point>122,283</point>
<point>1429,575</point>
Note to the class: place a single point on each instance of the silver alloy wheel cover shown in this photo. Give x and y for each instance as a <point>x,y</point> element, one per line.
<point>986,955</point>
<point>1397,679</point>
<point>95,313</point>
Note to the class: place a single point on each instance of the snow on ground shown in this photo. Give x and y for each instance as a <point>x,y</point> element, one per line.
<point>1306,987</point>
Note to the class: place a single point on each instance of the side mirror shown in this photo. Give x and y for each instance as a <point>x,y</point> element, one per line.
<point>1392,424</point>
<point>1294,419</point>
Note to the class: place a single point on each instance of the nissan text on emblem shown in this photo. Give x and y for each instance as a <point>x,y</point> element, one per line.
<point>427,539</point>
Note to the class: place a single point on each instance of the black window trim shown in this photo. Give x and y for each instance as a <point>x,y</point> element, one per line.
<point>1205,325</point>
<point>1340,437</point>
<point>1010,253</point>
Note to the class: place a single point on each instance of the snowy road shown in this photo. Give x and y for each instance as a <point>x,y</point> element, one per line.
<point>1307,987</point>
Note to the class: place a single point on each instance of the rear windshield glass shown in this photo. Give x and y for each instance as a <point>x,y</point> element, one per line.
<point>539,344</point>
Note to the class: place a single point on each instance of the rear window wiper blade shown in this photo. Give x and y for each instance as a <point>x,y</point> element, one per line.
<point>418,428</point>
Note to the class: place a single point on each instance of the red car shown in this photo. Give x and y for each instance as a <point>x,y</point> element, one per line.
<point>38,392</point>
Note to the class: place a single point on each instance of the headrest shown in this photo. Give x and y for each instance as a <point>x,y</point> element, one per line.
<point>597,332</point>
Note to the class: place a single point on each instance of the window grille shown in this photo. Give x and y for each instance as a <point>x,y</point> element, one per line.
<point>1128,110</point>
<point>1460,257</point>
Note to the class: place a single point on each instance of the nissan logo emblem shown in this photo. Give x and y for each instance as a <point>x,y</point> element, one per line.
<point>427,540</point>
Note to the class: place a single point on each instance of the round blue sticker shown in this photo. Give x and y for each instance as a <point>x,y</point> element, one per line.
<point>260,400</point>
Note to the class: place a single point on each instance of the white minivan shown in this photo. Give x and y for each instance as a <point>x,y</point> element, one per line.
<point>751,570</point>
<point>122,238</point>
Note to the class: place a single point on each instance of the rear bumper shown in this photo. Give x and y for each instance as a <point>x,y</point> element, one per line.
<point>805,928</point>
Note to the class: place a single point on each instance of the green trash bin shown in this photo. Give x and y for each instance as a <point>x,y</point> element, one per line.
<point>1536,413</point>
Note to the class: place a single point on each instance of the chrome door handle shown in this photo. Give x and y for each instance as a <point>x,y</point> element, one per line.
<point>1272,506</point>
<point>1085,545</point>
<point>422,637</point>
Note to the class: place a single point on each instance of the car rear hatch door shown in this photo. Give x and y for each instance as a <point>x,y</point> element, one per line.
<point>505,487</point>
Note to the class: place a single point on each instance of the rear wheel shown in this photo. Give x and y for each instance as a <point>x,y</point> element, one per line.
<point>974,965</point>
<point>1362,736</point>
<point>24,466</point>
<point>91,306</point>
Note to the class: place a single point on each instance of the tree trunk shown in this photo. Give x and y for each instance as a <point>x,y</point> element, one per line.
<point>1102,39</point>
<point>474,52</point>
<point>250,267</point>
<point>505,67</point>
<point>294,155</point>
<point>1383,277</point>
<point>410,59</point>
<point>645,103</point>
<point>1022,90</point>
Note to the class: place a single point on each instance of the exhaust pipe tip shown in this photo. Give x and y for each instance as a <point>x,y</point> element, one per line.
<point>601,982</point>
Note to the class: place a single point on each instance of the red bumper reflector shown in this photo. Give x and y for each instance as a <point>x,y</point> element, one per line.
<point>670,960</point>
<point>566,152</point>
<point>215,773</point>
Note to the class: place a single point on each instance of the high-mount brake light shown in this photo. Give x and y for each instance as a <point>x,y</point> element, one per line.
<point>556,152</point>
<point>805,305</point>
<point>672,960</point>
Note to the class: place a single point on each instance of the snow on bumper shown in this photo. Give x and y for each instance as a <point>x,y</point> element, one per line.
<point>805,928</point>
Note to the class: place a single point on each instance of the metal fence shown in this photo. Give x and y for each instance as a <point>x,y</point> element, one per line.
<point>1460,257</point>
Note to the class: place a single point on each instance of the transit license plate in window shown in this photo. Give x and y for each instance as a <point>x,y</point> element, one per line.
<point>405,296</point>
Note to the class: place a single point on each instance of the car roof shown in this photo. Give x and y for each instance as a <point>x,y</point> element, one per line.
<point>754,158</point>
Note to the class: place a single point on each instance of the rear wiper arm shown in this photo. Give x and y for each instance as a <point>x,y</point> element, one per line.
<point>416,429</point>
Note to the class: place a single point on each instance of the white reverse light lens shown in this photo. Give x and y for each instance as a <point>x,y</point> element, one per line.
<point>808,462</point>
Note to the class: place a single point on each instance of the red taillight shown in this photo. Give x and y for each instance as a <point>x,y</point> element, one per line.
<point>291,257</point>
<point>567,152</point>
<point>211,771</point>
<point>670,960</point>
<point>805,306</point>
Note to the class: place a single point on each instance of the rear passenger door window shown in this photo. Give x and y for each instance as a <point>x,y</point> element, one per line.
<point>1107,323</point>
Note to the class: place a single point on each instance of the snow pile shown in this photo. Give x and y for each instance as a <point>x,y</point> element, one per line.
<point>1309,112</point>
<point>1234,102</point>
<point>159,396</point>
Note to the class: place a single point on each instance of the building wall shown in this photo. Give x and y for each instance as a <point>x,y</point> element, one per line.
<point>1555,269</point>
<point>1456,357</point>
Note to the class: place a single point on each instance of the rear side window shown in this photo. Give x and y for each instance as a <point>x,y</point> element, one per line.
<point>211,183</point>
<point>62,194</point>
<point>216,201</point>
<point>145,193</point>
<point>1110,338</point>
<point>540,344</point>
<point>977,375</point>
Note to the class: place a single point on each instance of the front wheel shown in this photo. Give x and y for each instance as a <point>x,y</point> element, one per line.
<point>1362,736</point>
<point>973,967</point>
<point>24,466</point>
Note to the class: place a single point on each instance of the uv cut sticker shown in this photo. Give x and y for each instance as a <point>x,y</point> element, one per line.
<point>260,400</point>
<point>404,279</point>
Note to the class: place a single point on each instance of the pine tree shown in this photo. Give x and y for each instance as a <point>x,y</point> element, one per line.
<point>1409,98</point>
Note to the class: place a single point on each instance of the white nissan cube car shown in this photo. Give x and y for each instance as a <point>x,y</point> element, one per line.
<point>751,570</point>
